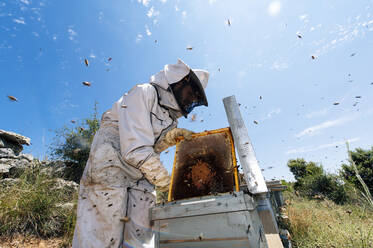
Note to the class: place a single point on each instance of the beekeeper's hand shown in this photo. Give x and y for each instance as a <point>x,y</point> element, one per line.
<point>172,136</point>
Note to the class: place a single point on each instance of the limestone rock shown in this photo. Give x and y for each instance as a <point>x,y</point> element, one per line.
<point>7,153</point>
<point>26,156</point>
<point>16,147</point>
<point>8,182</point>
<point>13,141</point>
<point>60,183</point>
<point>10,167</point>
<point>17,138</point>
<point>68,205</point>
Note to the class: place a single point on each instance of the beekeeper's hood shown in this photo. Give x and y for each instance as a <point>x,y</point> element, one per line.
<point>184,84</point>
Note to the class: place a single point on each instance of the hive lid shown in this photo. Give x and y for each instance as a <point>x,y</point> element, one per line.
<point>204,165</point>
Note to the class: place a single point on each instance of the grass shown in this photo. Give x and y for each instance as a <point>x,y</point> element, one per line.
<point>33,207</point>
<point>314,223</point>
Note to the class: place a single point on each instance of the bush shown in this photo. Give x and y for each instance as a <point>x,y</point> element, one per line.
<point>325,185</point>
<point>302,169</point>
<point>72,145</point>
<point>30,206</point>
<point>364,163</point>
<point>313,181</point>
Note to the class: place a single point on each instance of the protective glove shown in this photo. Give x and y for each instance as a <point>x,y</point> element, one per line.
<point>162,196</point>
<point>156,173</point>
<point>172,136</point>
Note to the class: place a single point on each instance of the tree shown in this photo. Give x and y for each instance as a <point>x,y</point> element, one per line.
<point>302,169</point>
<point>312,180</point>
<point>364,163</point>
<point>72,145</point>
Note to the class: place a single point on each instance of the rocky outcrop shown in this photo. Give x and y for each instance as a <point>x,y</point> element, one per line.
<point>8,182</point>
<point>13,141</point>
<point>12,162</point>
<point>60,183</point>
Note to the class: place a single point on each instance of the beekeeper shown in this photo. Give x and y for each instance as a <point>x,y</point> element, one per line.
<point>124,167</point>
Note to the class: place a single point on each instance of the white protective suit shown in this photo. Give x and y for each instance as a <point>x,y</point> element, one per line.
<point>116,189</point>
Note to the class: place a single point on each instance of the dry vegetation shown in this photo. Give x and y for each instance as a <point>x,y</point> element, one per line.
<point>322,223</point>
<point>33,207</point>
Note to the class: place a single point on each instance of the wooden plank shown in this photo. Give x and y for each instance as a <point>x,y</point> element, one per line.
<point>274,241</point>
<point>252,173</point>
<point>202,206</point>
<point>201,240</point>
<point>214,244</point>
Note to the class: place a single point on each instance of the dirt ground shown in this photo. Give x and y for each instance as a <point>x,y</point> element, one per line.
<point>30,242</point>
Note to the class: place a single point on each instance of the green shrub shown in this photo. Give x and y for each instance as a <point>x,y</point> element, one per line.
<point>31,206</point>
<point>302,169</point>
<point>326,185</point>
<point>313,181</point>
<point>72,146</point>
<point>364,163</point>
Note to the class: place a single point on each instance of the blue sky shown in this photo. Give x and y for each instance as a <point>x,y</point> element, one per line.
<point>43,45</point>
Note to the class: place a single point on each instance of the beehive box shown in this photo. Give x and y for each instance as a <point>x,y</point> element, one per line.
<point>204,165</point>
<point>206,208</point>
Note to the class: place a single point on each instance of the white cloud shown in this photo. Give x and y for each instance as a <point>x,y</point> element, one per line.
<point>317,113</point>
<point>279,66</point>
<point>274,8</point>
<point>144,2</point>
<point>36,34</point>
<point>92,56</point>
<point>100,16</point>
<point>176,8</point>
<point>212,1</point>
<point>72,33</point>
<point>303,17</point>
<point>313,129</point>
<point>271,114</point>
<point>25,2</point>
<point>147,30</point>
<point>320,147</point>
<point>20,21</point>
<point>354,28</point>
<point>163,1</point>
<point>184,13</point>
<point>152,13</point>
<point>138,38</point>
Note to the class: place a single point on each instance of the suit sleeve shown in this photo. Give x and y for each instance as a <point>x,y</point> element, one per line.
<point>135,128</point>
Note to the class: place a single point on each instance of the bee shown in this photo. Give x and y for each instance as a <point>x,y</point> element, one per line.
<point>12,98</point>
